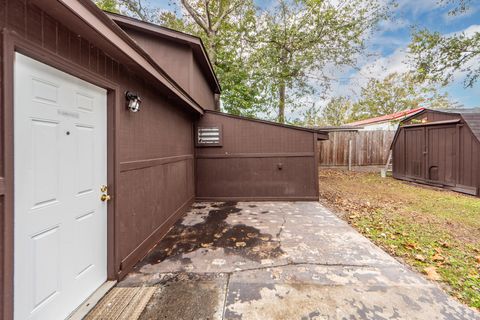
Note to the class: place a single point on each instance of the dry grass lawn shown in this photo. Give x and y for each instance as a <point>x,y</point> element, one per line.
<point>435,231</point>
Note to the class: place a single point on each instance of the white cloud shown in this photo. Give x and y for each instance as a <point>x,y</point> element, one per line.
<point>393,24</point>
<point>417,7</point>
<point>470,31</point>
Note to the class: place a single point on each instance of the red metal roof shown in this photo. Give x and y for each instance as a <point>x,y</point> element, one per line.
<point>388,117</point>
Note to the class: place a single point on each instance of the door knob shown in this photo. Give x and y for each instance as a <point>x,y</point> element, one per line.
<point>105,197</point>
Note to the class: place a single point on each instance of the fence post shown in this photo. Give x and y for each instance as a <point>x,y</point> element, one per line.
<point>350,155</point>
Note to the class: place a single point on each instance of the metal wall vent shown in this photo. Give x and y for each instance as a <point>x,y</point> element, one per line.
<point>209,136</point>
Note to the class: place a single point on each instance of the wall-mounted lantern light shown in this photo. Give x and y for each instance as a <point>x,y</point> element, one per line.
<point>134,101</point>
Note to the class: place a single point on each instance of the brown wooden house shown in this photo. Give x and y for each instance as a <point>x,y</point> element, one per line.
<point>109,131</point>
<point>440,148</point>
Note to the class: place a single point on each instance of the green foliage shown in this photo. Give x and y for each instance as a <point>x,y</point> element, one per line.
<point>397,92</point>
<point>337,111</point>
<point>139,9</point>
<point>108,5</point>
<point>299,38</point>
<point>438,57</point>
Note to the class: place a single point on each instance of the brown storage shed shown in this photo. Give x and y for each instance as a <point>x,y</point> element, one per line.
<point>87,186</point>
<point>440,148</point>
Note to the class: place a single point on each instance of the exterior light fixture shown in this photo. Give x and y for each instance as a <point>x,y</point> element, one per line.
<point>134,101</point>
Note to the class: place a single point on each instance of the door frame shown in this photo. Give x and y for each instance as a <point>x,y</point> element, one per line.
<point>13,43</point>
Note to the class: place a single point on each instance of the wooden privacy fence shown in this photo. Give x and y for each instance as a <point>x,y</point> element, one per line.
<point>363,148</point>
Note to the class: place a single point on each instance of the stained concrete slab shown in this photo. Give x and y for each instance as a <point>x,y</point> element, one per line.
<point>281,260</point>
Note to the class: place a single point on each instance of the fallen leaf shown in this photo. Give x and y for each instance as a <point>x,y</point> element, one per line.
<point>478,259</point>
<point>411,245</point>
<point>419,257</point>
<point>206,245</point>
<point>437,257</point>
<point>240,244</point>
<point>445,244</point>
<point>431,273</point>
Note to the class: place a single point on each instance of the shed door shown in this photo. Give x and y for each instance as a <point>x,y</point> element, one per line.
<point>414,152</point>
<point>441,149</point>
<point>60,164</point>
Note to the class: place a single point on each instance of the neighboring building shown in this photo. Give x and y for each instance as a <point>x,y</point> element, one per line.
<point>440,148</point>
<point>386,122</point>
<point>87,185</point>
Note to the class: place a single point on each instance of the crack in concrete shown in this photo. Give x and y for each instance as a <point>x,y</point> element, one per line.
<point>303,263</point>
<point>300,263</point>
<point>279,233</point>
<point>224,308</point>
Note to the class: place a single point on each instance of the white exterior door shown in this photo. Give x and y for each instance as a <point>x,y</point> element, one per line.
<point>60,164</point>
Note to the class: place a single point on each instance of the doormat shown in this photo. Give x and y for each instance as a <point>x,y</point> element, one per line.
<point>122,304</point>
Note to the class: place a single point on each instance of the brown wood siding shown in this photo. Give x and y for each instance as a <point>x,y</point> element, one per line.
<point>179,62</point>
<point>414,148</point>
<point>398,155</point>
<point>369,148</point>
<point>174,58</point>
<point>200,88</point>
<point>469,159</point>
<point>441,154</point>
<point>256,161</point>
<point>153,153</point>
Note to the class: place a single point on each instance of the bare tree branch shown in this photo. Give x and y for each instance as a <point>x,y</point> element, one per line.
<point>195,15</point>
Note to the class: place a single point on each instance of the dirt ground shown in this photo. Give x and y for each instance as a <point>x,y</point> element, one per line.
<point>435,231</point>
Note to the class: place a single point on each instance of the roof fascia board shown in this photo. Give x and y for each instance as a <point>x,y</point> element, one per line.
<point>86,11</point>
<point>286,126</point>
<point>435,123</point>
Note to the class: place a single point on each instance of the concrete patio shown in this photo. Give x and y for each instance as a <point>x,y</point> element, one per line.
<point>280,260</point>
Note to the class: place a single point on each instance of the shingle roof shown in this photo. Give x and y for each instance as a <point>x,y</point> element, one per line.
<point>473,121</point>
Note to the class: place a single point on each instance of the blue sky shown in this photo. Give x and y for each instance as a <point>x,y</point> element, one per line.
<point>388,44</point>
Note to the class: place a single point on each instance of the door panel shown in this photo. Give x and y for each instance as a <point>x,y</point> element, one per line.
<point>60,165</point>
<point>414,152</point>
<point>441,163</point>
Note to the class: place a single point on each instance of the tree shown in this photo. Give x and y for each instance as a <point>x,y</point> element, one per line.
<point>108,5</point>
<point>139,9</point>
<point>337,112</point>
<point>397,92</point>
<point>211,16</point>
<point>438,57</point>
<point>299,38</point>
